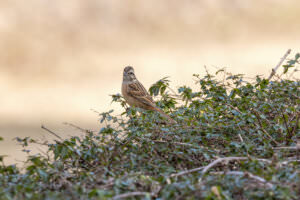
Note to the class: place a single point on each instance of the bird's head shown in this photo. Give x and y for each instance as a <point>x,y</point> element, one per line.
<point>128,74</point>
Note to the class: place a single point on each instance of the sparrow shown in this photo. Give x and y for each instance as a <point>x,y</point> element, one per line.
<point>136,95</point>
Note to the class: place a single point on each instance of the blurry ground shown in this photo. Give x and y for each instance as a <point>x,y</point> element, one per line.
<point>59,59</point>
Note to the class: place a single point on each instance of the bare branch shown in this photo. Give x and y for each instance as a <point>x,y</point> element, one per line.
<point>287,148</point>
<point>241,138</point>
<point>186,172</point>
<point>177,143</point>
<point>184,144</point>
<point>279,64</point>
<point>246,174</point>
<point>130,194</point>
<point>212,164</point>
<point>215,162</point>
<point>287,162</point>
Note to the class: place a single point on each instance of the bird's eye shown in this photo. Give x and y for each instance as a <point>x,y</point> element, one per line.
<point>131,73</point>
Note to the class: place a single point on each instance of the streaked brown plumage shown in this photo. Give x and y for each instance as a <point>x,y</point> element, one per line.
<point>136,95</point>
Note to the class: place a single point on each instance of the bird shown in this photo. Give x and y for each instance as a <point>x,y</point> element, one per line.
<point>136,95</point>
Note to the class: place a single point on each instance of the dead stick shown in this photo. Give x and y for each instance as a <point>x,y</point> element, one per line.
<point>279,64</point>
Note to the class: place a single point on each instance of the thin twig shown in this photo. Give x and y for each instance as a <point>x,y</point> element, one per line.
<point>177,143</point>
<point>95,111</point>
<point>287,148</point>
<point>279,64</point>
<point>43,152</point>
<point>270,137</point>
<point>108,184</point>
<point>234,108</point>
<point>295,70</point>
<point>261,126</point>
<point>46,129</point>
<point>77,127</point>
<point>286,125</point>
<point>174,93</point>
<point>246,174</point>
<point>131,194</point>
<point>206,70</point>
<point>241,138</point>
<point>184,144</point>
<point>295,128</point>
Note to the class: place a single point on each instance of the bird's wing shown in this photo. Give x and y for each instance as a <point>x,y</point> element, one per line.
<point>137,91</point>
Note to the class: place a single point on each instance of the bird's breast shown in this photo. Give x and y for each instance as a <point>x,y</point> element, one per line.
<point>130,100</point>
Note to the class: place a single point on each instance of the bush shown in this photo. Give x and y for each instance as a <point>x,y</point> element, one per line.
<point>235,139</point>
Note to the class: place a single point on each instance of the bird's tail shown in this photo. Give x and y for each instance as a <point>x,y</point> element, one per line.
<point>166,116</point>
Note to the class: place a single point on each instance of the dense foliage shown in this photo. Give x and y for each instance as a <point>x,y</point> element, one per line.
<point>236,138</point>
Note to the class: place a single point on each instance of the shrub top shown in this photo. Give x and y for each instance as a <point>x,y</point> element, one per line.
<point>235,139</point>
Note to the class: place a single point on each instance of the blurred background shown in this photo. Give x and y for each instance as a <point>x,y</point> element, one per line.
<point>60,59</point>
